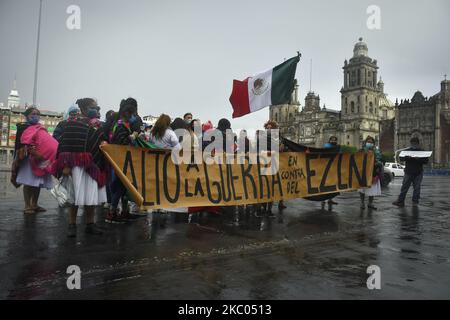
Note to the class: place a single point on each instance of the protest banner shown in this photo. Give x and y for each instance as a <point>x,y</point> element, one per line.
<point>155,181</point>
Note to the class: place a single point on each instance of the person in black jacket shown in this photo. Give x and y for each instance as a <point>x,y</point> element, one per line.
<point>124,128</point>
<point>413,175</point>
<point>331,146</point>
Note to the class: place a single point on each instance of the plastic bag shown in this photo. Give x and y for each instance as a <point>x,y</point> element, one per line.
<point>64,192</point>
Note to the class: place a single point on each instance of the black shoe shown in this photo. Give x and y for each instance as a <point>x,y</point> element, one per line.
<point>332,202</point>
<point>91,228</point>
<point>399,204</point>
<point>72,231</point>
<point>371,206</point>
<point>126,216</point>
<point>281,206</point>
<point>415,203</point>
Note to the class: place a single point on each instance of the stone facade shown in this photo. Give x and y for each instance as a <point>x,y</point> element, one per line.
<point>363,106</point>
<point>429,120</point>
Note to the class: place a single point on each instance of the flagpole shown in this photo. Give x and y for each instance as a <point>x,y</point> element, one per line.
<point>37,55</point>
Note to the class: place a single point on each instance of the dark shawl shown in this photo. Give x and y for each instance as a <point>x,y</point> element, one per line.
<point>79,145</point>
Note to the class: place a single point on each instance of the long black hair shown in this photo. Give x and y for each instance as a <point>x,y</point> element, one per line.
<point>178,123</point>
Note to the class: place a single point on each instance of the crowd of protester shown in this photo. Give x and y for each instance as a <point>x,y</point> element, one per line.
<point>74,151</point>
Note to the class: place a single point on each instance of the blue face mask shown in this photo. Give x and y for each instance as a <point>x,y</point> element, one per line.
<point>132,119</point>
<point>92,113</point>
<point>369,145</point>
<point>33,119</point>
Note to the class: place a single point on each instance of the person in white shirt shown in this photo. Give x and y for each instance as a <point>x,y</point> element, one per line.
<point>162,135</point>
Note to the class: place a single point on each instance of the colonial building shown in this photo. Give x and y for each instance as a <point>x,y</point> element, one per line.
<point>364,105</point>
<point>429,120</point>
<point>149,119</point>
<point>11,115</point>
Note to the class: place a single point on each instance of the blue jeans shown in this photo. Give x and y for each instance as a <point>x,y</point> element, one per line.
<point>118,191</point>
<point>415,180</point>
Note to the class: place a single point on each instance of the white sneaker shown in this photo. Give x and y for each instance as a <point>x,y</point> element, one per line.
<point>134,209</point>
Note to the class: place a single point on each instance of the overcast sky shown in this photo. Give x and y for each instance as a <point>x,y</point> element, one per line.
<point>179,56</point>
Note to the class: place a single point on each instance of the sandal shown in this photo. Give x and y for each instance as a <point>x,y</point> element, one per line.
<point>39,209</point>
<point>29,211</point>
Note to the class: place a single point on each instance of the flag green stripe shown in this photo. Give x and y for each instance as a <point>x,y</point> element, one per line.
<point>283,77</point>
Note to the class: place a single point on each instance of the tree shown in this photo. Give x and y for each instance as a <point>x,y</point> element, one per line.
<point>345,148</point>
<point>387,157</point>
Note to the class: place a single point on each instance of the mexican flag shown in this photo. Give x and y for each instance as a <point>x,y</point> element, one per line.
<point>271,87</point>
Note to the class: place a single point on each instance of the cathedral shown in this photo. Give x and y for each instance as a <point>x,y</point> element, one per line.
<point>427,118</point>
<point>364,107</point>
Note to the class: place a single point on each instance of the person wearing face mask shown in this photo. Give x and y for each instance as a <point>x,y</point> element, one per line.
<point>125,127</point>
<point>145,135</point>
<point>332,146</point>
<point>34,164</point>
<point>93,115</point>
<point>413,175</point>
<point>375,189</point>
<point>71,115</point>
<point>187,118</point>
<point>79,156</point>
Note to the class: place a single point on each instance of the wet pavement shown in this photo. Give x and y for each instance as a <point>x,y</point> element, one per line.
<point>301,253</point>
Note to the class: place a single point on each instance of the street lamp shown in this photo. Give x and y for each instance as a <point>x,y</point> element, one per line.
<point>37,55</point>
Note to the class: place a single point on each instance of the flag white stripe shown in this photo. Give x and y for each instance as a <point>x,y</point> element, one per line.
<point>261,96</point>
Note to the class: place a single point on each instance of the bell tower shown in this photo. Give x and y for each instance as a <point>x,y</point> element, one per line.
<point>13,98</point>
<point>360,96</point>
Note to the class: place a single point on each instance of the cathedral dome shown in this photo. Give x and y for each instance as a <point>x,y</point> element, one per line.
<point>383,101</point>
<point>360,49</point>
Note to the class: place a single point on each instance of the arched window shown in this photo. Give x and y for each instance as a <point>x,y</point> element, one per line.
<point>346,101</point>
<point>276,117</point>
<point>370,107</point>
<point>352,106</point>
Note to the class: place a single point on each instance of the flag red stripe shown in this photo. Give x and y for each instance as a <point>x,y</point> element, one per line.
<point>239,98</point>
